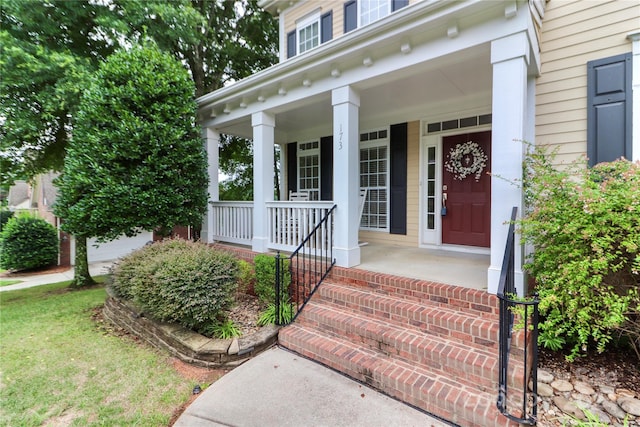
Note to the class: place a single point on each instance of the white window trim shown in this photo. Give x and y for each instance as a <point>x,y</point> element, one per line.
<point>380,142</point>
<point>304,23</point>
<point>307,153</point>
<point>359,6</point>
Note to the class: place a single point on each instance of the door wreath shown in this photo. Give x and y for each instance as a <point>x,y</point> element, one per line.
<point>466,159</point>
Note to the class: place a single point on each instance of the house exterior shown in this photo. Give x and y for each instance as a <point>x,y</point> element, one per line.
<point>424,104</point>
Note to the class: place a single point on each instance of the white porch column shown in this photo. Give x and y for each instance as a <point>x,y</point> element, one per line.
<point>212,139</point>
<point>509,57</point>
<point>263,140</point>
<point>346,175</point>
<point>635,88</point>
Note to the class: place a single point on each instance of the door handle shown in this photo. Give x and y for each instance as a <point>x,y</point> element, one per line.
<point>443,211</point>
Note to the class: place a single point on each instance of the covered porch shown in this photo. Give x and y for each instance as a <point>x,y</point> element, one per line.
<point>396,89</point>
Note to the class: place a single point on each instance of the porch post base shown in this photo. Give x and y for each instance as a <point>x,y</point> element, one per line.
<point>347,257</point>
<point>493,279</point>
<point>260,244</point>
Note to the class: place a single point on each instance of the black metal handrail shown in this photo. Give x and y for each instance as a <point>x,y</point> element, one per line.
<point>299,275</point>
<point>528,309</point>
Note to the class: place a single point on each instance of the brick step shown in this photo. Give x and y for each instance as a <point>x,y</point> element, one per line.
<point>445,322</point>
<point>472,301</point>
<point>440,395</point>
<point>471,366</point>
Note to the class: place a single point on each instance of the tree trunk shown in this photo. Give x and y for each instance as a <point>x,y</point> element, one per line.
<point>81,276</point>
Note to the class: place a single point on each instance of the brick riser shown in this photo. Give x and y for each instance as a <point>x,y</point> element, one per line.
<point>430,345</point>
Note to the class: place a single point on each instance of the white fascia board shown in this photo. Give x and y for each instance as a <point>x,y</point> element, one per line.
<point>274,7</point>
<point>353,44</point>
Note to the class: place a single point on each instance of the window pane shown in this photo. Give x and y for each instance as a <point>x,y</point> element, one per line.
<point>372,10</point>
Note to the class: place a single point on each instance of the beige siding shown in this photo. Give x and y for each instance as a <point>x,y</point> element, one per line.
<point>573,33</point>
<point>305,8</point>
<point>413,196</point>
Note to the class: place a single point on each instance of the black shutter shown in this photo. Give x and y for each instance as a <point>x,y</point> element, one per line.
<point>326,27</point>
<point>398,179</point>
<point>350,16</point>
<point>609,109</point>
<point>292,166</point>
<point>291,44</point>
<point>398,4</point>
<point>326,168</point>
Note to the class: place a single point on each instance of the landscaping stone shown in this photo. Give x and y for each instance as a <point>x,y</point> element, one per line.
<point>186,345</point>
<point>583,388</point>
<point>561,399</point>
<point>544,376</point>
<point>545,390</point>
<point>613,409</point>
<point>630,405</point>
<point>234,347</point>
<point>562,385</point>
<point>569,407</point>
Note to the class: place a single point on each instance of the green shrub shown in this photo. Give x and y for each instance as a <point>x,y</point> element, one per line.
<point>179,281</point>
<point>5,216</point>
<point>287,311</point>
<point>246,278</point>
<point>584,226</point>
<point>265,287</point>
<point>27,242</point>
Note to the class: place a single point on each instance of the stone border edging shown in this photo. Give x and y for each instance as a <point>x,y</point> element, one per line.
<point>186,345</point>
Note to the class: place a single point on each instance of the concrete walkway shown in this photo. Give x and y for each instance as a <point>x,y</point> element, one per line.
<point>28,280</point>
<point>279,388</point>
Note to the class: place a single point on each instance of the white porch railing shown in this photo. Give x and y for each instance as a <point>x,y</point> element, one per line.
<point>291,222</point>
<point>233,222</point>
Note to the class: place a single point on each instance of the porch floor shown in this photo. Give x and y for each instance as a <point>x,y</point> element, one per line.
<point>448,267</point>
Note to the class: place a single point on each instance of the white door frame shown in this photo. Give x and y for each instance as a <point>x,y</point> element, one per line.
<point>433,238</point>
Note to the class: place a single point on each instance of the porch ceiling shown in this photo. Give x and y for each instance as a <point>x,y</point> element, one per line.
<point>453,83</point>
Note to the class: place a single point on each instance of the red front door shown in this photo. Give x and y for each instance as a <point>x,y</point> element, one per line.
<point>466,189</point>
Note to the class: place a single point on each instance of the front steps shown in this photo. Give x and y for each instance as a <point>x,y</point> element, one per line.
<point>430,345</point>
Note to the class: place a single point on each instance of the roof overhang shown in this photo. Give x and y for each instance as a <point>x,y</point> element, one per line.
<point>274,7</point>
<point>427,47</point>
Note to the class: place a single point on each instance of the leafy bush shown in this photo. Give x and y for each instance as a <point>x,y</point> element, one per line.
<point>246,278</point>
<point>265,287</point>
<point>5,216</point>
<point>179,281</point>
<point>28,242</point>
<point>584,225</point>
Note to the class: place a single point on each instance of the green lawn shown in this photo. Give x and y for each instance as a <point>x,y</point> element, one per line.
<point>57,367</point>
<point>9,282</point>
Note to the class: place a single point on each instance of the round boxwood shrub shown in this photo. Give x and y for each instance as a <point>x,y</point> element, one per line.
<point>5,216</point>
<point>28,242</point>
<point>178,281</point>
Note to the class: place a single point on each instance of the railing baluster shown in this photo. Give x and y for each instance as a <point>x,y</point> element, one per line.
<point>508,302</point>
<point>310,263</point>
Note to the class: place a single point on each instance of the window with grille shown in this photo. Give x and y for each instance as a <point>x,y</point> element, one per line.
<point>309,169</point>
<point>372,10</point>
<point>374,176</point>
<point>309,36</point>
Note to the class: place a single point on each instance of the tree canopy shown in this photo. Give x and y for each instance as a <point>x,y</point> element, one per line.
<point>136,161</point>
<point>48,48</point>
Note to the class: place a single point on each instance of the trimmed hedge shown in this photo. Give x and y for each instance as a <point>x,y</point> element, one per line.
<point>5,216</point>
<point>265,286</point>
<point>178,281</point>
<point>28,242</point>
